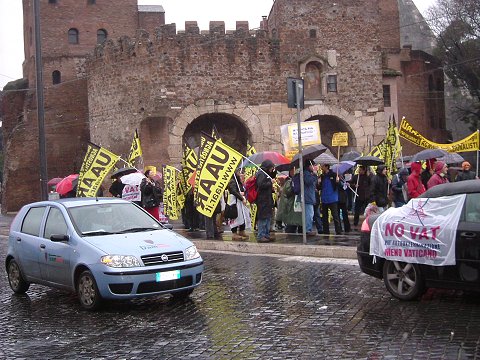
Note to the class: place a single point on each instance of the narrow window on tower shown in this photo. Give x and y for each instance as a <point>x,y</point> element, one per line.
<point>332,83</point>
<point>52,1</point>
<point>56,77</point>
<point>387,99</point>
<point>73,36</point>
<point>91,2</point>
<point>101,36</point>
<point>312,33</point>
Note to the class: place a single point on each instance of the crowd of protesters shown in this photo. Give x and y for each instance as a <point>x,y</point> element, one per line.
<point>329,197</point>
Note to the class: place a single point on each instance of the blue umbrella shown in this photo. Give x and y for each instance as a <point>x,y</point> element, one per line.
<point>343,166</point>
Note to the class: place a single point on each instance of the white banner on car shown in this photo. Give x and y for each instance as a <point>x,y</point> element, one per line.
<point>420,232</point>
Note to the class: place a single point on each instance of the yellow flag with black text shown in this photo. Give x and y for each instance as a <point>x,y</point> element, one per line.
<point>216,165</point>
<point>250,149</point>
<point>135,149</point>
<point>189,164</point>
<point>170,192</point>
<point>96,165</point>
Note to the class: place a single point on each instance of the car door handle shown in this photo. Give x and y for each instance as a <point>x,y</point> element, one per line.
<point>42,246</point>
<point>469,235</point>
<point>19,239</point>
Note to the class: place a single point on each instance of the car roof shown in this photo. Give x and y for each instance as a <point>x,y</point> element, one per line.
<point>460,187</point>
<point>82,201</point>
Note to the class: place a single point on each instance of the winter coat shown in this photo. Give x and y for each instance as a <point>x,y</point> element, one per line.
<point>285,209</point>
<point>329,188</point>
<point>414,182</point>
<point>436,179</point>
<point>363,189</point>
<point>233,187</point>
<point>151,194</point>
<point>264,196</point>
<point>465,175</point>
<point>397,188</point>
<point>310,182</point>
<point>379,188</point>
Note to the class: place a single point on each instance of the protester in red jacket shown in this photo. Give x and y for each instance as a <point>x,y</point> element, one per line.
<point>440,176</point>
<point>414,182</point>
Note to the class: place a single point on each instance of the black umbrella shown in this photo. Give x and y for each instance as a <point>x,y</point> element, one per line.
<point>350,156</point>
<point>452,158</point>
<point>428,154</point>
<point>368,160</point>
<point>123,171</point>
<point>309,153</point>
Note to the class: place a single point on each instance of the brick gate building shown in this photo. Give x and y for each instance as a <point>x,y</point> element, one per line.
<point>104,78</point>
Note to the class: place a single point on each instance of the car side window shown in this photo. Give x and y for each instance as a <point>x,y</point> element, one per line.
<point>55,224</point>
<point>472,208</point>
<point>33,220</point>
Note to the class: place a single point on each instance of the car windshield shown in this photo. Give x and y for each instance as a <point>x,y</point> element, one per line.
<point>113,218</point>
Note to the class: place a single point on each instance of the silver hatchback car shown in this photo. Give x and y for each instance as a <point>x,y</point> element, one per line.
<point>101,249</point>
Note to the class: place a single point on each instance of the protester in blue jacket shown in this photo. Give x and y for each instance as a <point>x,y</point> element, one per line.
<point>329,182</point>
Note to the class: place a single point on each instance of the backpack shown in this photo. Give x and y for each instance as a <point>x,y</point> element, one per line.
<point>251,190</point>
<point>296,184</point>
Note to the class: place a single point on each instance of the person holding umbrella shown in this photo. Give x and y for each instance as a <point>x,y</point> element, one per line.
<point>414,181</point>
<point>361,183</point>
<point>379,188</point>
<point>329,193</point>
<point>264,201</point>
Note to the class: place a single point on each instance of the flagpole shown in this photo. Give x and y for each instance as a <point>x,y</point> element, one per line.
<point>478,150</point>
<point>258,167</point>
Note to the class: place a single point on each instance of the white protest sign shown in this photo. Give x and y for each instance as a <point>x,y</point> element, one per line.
<point>421,232</point>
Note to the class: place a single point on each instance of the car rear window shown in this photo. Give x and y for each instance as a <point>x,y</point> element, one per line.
<point>33,220</point>
<point>472,208</point>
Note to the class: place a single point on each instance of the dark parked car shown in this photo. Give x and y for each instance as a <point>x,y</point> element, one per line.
<point>407,281</point>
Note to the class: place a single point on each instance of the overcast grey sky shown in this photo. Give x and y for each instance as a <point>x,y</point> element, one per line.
<point>176,11</point>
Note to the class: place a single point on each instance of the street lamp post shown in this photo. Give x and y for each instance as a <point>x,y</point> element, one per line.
<point>40,102</point>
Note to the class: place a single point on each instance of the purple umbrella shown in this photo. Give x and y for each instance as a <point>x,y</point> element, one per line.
<point>342,166</point>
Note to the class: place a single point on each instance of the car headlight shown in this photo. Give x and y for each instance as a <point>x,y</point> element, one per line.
<point>120,261</point>
<point>191,253</point>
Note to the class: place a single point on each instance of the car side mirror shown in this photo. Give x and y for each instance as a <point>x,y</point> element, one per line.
<point>58,237</point>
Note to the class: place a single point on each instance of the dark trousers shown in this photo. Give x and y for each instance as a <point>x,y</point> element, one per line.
<point>342,209</point>
<point>239,227</point>
<point>359,207</point>
<point>211,227</point>
<point>293,229</point>
<point>336,219</point>
<point>317,219</point>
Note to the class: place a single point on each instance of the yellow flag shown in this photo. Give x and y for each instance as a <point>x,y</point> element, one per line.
<point>135,149</point>
<point>216,165</point>
<point>470,143</point>
<point>96,165</point>
<point>250,150</point>
<point>170,192</point>
<point>189,164</point>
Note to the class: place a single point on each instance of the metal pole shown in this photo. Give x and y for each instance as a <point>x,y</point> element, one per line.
<point>299,90</point>
<point>40,103</point>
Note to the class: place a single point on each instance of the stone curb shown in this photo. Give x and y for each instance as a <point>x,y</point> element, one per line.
<point>341,252</point>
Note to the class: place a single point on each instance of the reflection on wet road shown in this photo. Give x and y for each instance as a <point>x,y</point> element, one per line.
<point>248,306</point>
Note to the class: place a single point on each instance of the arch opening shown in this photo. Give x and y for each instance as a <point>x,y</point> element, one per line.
<point>231,129</point>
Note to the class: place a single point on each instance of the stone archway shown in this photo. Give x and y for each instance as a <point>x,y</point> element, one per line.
<point>230,128</point>
<point>242,115</point>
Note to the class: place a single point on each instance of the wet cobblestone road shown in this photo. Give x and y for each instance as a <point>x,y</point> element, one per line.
<point>248,307</point>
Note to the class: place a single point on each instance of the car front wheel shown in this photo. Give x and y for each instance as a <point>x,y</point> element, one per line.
<point>15,278</point>
<point>87,291</point>
<point>403,280</point>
